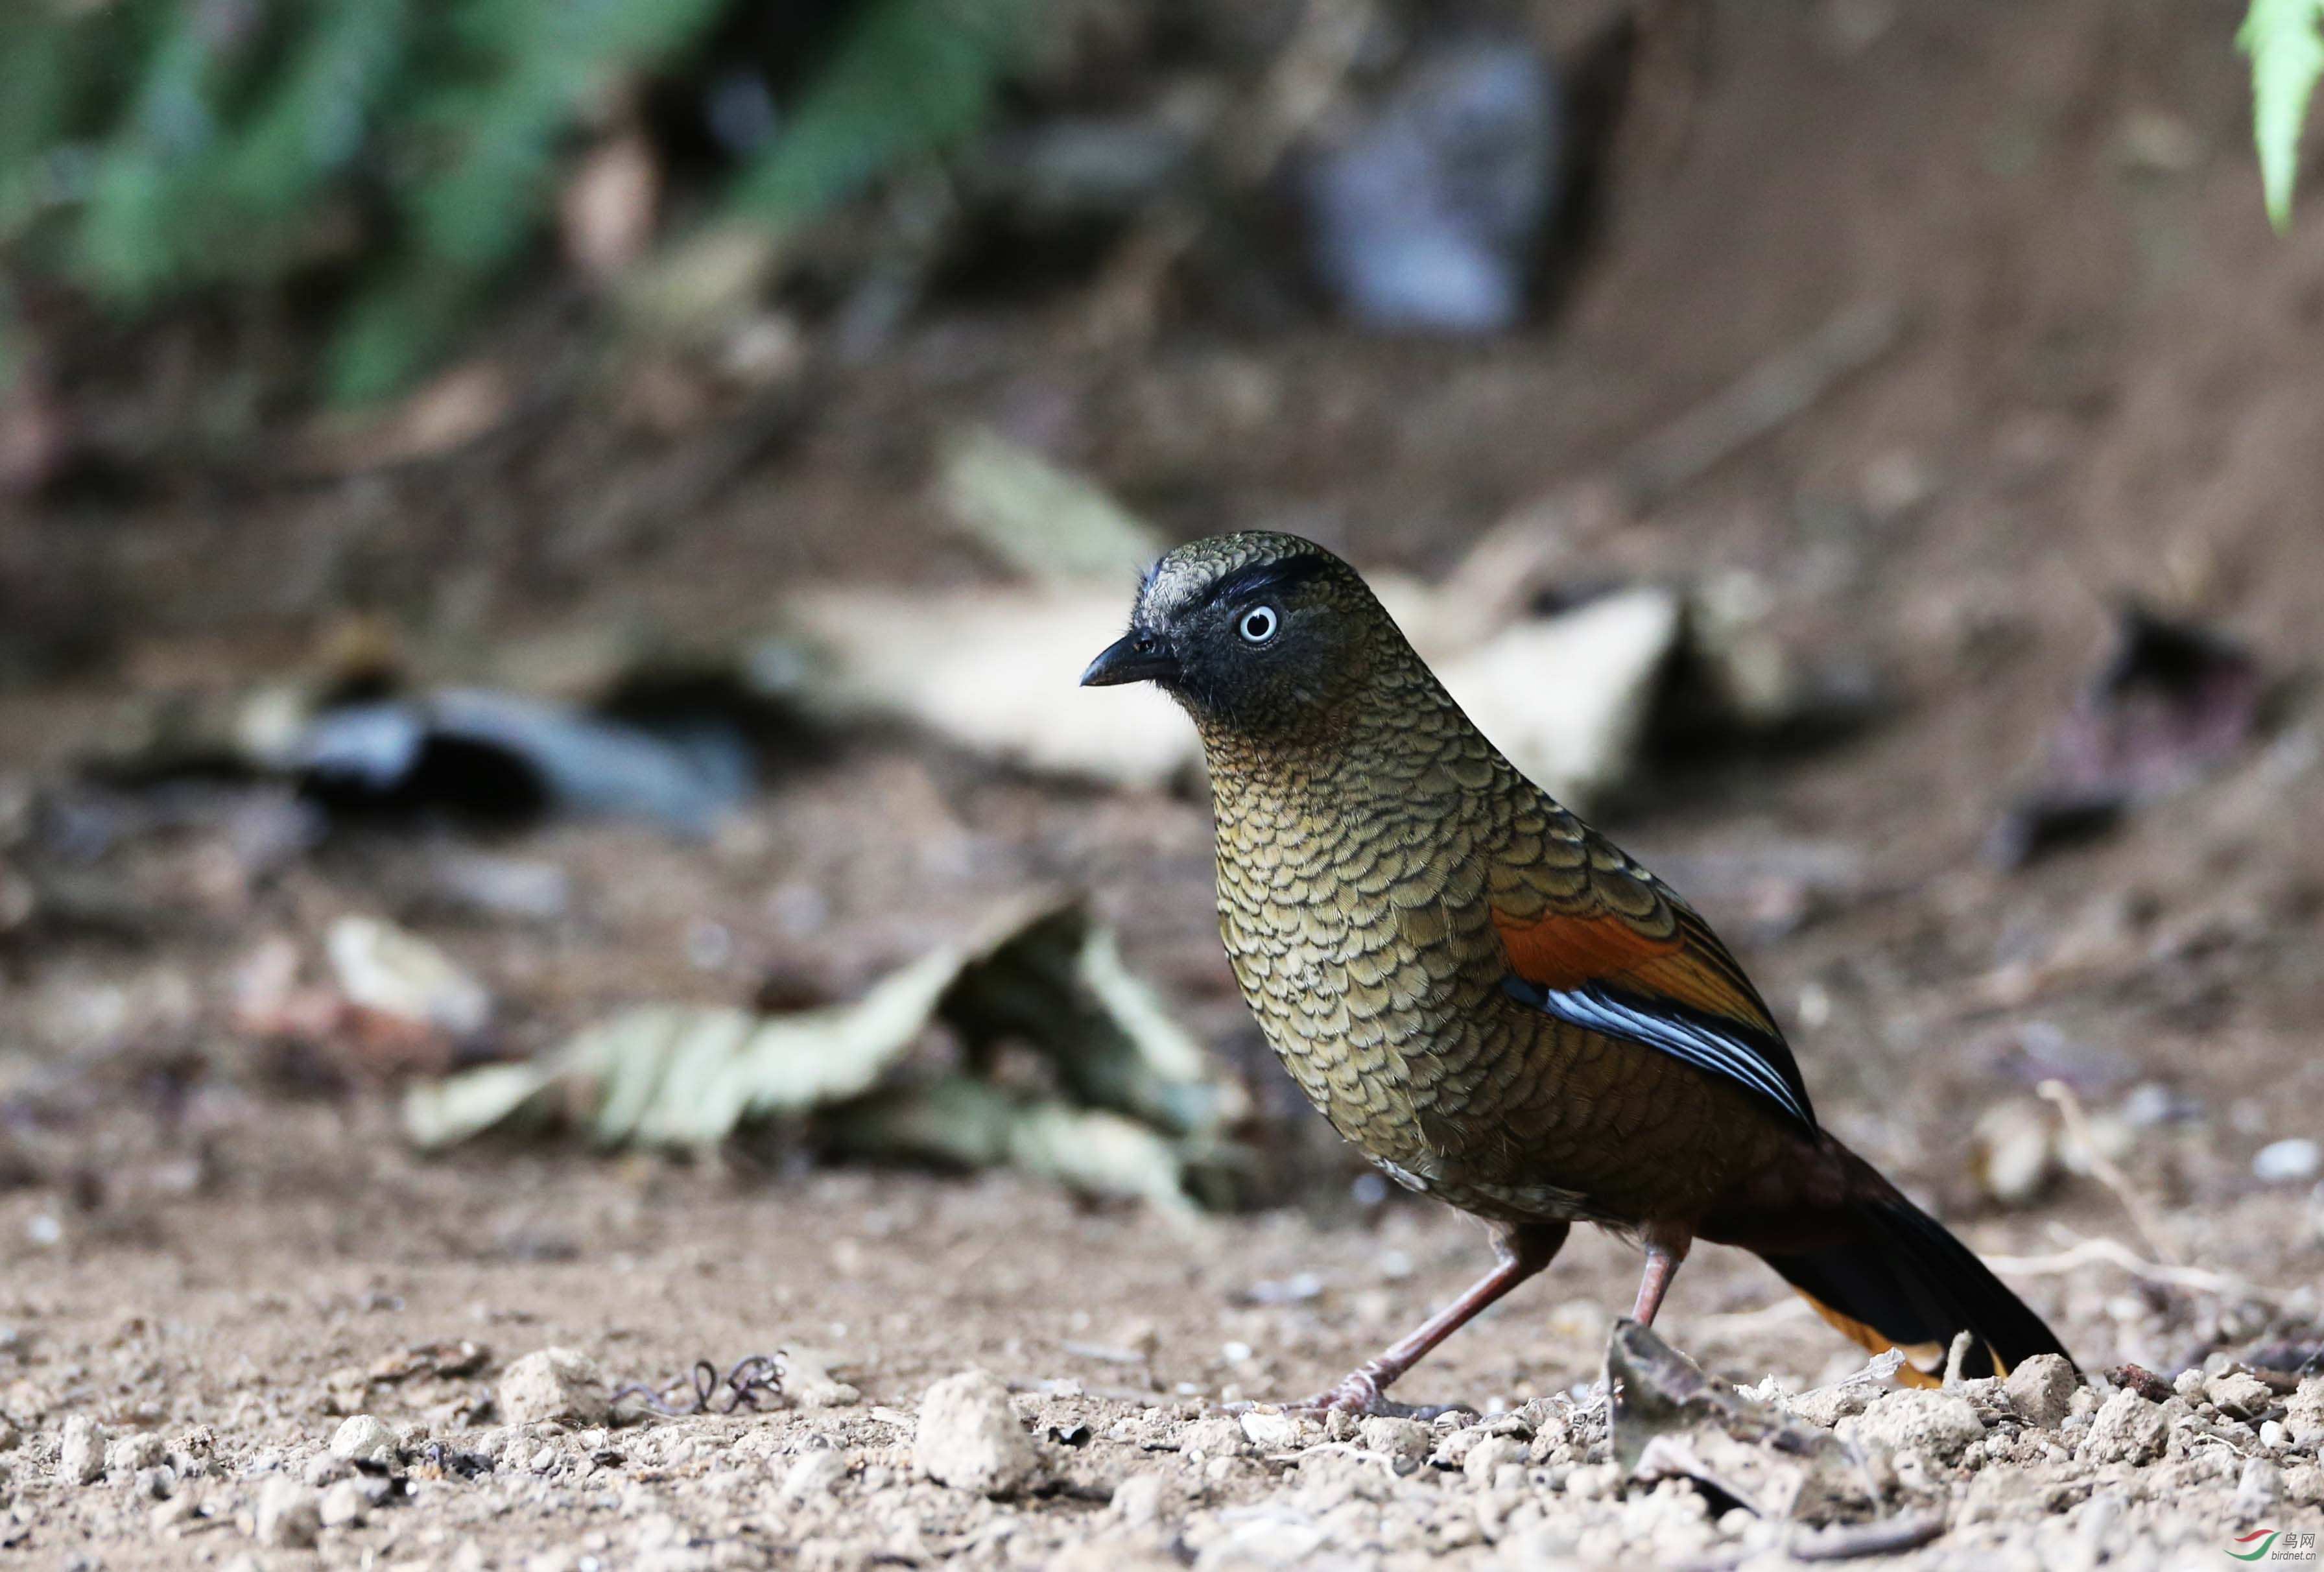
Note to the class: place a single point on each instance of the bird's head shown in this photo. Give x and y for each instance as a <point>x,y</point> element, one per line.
<point>1258,632</point>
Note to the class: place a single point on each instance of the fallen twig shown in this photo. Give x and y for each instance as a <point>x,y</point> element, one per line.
<point>2085,1253</point>
<point>1957,1356</point>
<point>1765,398</point>
<point>2078,1128</point>
<point>1884,1537</point>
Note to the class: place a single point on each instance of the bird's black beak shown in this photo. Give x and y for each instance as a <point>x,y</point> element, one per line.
<point>1135,657</point>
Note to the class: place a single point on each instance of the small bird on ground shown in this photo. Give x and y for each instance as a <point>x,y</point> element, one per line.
<point>1491,1000</point>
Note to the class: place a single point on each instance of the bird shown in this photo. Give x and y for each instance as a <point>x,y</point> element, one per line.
<point>1495,1003</point>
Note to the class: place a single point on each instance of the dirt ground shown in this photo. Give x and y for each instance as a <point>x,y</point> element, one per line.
<point>2105,386</point>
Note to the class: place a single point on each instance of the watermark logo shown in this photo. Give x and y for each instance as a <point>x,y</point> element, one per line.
<point>2274,1545</point>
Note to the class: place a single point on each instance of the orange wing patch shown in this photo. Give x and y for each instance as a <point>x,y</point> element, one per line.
<point>1573,952</point>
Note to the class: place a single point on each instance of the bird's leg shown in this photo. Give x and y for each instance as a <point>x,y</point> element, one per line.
<point>1522,1250</point>
<point>1666,1247</point>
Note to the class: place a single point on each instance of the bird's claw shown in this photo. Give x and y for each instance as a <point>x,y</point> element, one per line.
<point>1359,1395</point>
<point>1358,1392</point>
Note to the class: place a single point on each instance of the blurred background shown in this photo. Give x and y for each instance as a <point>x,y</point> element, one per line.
<point>546,550</point>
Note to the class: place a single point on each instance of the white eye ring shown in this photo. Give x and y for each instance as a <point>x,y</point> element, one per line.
<point>1258,624</point>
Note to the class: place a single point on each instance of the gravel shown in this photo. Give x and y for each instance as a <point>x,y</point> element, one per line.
<point>1938,1424</point>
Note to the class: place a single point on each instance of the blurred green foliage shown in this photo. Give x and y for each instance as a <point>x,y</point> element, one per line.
<point>2285,41</point>
<point>148,147</point>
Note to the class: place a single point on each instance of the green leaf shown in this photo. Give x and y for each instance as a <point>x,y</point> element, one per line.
<point>2285,41</point>
<point>909,78</point>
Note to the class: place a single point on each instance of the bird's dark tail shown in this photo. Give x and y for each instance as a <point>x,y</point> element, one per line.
<point>1895,1279</point>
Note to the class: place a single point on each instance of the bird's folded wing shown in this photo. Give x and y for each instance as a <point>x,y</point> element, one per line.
<point>1660,977</point>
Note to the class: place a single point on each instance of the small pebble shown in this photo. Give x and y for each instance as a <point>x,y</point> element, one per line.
<point>289,1516</point>
<point>345,1504</point>
<point>132,1453</point>
<point>817,1474</point>
<point>1490,1456</point>
<point>1143,1499</point>
<point>553,1385</point>
<point>361,1438</point>
<point>1397,1438</point>
<point>80,1459</point>
<point>2041,1389</point>
<point>2304,1413</point>
<point>2127,1429</point>
<point>1278,1432</point>
<point>173,1513</point>
<point>2239,1394</point>
<point>968,1436</point>
<point>2293,1161</point>
<point>1220,1437</point>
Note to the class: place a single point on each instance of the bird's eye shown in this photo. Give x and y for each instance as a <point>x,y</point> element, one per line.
<point>1258,624</point>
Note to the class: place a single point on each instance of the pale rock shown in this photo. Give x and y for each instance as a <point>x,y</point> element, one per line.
<point>808,1380</point>
<point>288,1515</point>
<point>2293,1161</point>
<point>2304,1413</point>
<point>1826,1406</point>
<point>2127,1429</point>
<point>2041,1389</point>
<point>1942,1424</point>
<point>1399,1438</point>
<point>1144,1499</point>
<point>554,1385</point>
<point>130,1453</point>
<point>1280,1432</point>
<point>2014,1150</point>
<point>814,1474</point>
<point>2239,1394</point>
<point>968,1436</point>
<point>81,1460</point>
<point>168,1516</point>
<point>1490,1456</point>
<point>381,967</point>
<point>345,1504</point>
<point>1453,1447</point>
<point>2305,1483</point>
<point>2259,1490</point>
<point>1593,1480</point>
<point>361,1438</point>
<point>1217,1437</point>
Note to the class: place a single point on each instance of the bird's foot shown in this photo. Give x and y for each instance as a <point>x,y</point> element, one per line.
<point>1359,1393</point>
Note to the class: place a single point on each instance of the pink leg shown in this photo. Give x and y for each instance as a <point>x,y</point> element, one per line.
<point>1666,1247</point>
<point>1522,1253</point>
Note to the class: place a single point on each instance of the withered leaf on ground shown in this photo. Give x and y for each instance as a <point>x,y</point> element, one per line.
<point>1668,1419</point>
<point>1141,1103</point>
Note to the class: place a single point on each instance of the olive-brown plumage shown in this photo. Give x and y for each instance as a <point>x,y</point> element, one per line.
<point>1489,999</point>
